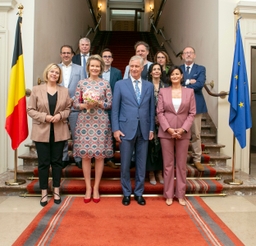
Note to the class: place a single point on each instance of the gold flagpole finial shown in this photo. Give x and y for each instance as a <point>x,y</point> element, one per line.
<point>20,8</point>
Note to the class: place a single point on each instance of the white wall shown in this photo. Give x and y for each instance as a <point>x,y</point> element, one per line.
<point>194,23</point>
<point>57,23</point>
<point>208,26</point>
<point>46,26</point>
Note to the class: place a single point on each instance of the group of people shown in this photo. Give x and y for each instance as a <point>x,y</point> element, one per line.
<point>152,112</point>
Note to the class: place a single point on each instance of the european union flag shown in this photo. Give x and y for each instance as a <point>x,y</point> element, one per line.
<point>240,112</point>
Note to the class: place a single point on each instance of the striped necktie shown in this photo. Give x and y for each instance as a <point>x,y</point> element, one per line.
<point>137,90</point>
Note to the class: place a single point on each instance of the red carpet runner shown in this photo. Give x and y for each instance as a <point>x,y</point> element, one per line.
<point>110,223</point>
<point>110,183</point>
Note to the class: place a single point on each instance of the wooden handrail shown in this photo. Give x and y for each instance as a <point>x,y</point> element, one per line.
<point>222,94</point>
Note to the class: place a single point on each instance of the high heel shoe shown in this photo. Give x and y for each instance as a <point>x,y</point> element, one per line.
<point>182,202</point>
<point>96,200</point>
<point>152,179</point>
<point>43,204</point>
<point>57,201</point>
<point>87,200</point>
<point>160,177</point>
<point>168,201</point>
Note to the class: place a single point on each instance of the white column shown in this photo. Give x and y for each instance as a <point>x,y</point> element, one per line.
<point>5,6</point>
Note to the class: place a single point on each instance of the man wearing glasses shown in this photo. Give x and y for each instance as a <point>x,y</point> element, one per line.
<point>194,78</point>
<point>72,74</point>
<point>112,75</point>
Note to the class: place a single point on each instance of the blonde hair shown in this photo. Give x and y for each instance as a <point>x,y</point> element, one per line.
<point>97,58</point>
<point>49,68</point>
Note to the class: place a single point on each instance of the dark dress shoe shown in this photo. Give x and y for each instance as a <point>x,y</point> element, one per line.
<point>79,164</point>
<point>43,204</point>
<point>140,200</point>
<point>126,200</point>
<point>111,164</point>
<point>57,201</point>
<point>64,164</point>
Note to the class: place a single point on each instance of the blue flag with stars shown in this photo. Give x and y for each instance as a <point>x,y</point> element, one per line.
<point>240,112</point>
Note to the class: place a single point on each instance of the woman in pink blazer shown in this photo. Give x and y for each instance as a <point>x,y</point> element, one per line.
<point>49,107</point>
<point>176,109</point>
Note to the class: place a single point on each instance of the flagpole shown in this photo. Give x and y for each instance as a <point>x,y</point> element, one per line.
<point>15,181</point>
<point>233,181</point>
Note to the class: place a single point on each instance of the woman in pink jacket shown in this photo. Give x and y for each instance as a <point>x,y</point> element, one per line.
<point>176,109</point>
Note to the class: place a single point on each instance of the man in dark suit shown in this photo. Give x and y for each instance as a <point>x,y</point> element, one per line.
<point>112,75</point>
<point>81,58</point>
<point>194,77</point>
<point>133,120</point>
<point>72,74</point>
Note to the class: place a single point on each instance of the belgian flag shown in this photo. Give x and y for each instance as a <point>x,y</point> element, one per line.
<point>16,123</point>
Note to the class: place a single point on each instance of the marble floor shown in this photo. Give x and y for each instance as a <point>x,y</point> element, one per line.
<point>237,211</point>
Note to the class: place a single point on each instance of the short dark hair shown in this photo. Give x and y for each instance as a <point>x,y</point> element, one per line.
<point>67,46</point>
<point>172,68</point>
<point>106,50</point>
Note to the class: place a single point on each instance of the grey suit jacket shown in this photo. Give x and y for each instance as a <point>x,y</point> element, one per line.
<point>77,74</point>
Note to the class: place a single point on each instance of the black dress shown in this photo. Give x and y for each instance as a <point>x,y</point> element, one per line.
<point>154,158</point>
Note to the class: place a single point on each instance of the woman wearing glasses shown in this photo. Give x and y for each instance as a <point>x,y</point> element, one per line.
<point>162,58</point>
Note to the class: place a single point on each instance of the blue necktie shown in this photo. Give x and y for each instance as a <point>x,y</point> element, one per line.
<point>137,90</point>
<point>187,71</point>
<point>84,63</point>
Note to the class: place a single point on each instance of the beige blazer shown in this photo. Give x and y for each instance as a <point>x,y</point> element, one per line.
<point>167,116</point>
<point>38,108</point>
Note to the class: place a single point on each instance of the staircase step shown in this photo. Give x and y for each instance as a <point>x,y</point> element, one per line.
<point>219,159</point>
<point>208,137</point>
<point>114,187</point>
<point>212,148</point>
<point>73,171</point>
<point>29,158</point>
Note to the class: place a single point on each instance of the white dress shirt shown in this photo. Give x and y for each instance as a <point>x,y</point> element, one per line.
<point>66,73</point>
<point>134,83</point>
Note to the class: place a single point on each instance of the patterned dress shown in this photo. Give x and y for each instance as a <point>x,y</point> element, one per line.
<point>93,136</point>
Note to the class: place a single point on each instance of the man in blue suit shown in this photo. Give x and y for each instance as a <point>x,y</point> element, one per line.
<point>112,75</point>
<point>133,119</point>
<point>81,58</point>
<point>72,74</point>
<point>194,78</point>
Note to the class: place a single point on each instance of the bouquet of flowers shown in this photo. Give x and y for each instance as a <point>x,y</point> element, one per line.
<point>91,96</point>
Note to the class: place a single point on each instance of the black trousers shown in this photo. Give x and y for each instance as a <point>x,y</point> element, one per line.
<point>49,154</point>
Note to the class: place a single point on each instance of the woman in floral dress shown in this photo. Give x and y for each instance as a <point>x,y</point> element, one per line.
<point>93,136</point>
